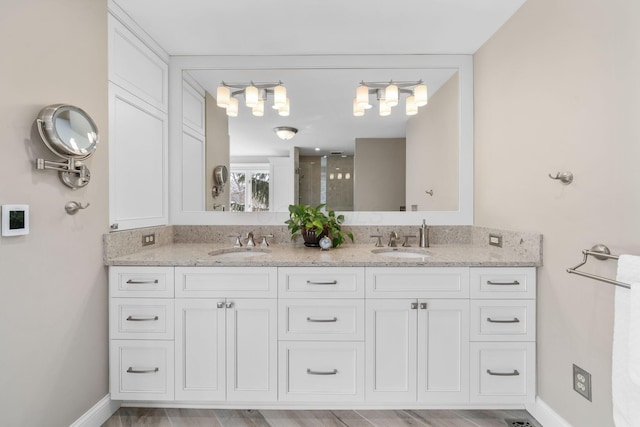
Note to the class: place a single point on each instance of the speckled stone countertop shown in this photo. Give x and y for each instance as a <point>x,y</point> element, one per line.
<point>351,255</point>
<point>183,245</point>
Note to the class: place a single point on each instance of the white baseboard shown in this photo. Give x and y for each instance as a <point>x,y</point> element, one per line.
<point>545,415</point>
<point>98,414</point>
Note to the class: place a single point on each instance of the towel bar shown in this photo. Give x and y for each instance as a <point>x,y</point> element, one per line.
<point>600,252</point>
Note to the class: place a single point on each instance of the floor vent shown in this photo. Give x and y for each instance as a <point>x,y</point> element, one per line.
<point>519,423</point>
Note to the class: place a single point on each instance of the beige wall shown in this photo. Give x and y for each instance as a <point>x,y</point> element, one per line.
<point>433,139</point>
<point>557,89</point>
<point>53,303</point>
<point>379,174</point>
<point>217,150</point>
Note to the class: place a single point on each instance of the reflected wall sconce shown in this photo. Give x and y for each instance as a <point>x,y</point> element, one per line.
<point>388,96</point>
<point>255,96</point>
<point>285,133</point>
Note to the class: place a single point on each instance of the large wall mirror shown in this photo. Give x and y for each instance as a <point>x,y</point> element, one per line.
<point>395,169</point>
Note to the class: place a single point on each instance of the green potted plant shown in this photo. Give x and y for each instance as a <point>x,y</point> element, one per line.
<point>313,223</point>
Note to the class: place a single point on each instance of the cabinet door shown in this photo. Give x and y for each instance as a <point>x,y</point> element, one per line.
<point>138,179</point>
<point>200,349</point>
<point>443,351</point>
<point>391,350</point>
<point>252,349</point>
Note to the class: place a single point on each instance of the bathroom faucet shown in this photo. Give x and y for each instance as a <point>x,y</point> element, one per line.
<point>250,242</point>
<point>393,239</point>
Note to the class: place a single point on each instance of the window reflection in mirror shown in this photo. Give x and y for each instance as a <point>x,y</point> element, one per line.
<point>249,188</point>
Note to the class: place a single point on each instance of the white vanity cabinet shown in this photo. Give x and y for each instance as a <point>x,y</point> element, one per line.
<point>417,339</point>
<point>323,336</point>
<point>503,333</point>
<point>141,363</point>
<point>226,334</point>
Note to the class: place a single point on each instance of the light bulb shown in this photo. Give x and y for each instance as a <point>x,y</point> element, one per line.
<point>420,95</point>
<point>362,97</point>
<point>279,96</point>
<point>251,96</point>
<point>385,109</point>
<point>284,111</point>
<point>223,94</point>
<point>258,110</point>
<point>411,108</point>
<point>232,108</point>
<point>391,95</point>
<point>357,111</point>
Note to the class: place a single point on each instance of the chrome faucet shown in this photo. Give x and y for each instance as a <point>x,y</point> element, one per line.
<point>250,242</point>
<point>393,239</point>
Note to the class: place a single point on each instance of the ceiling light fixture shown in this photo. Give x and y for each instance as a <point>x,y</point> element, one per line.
<point>285,132</point>
<point>255,95</point>
<point>388,95</point>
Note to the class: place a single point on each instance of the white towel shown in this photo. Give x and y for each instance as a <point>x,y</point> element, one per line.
<point>626,345</point>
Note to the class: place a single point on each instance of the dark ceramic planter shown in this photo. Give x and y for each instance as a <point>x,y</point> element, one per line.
<point>311,239</point>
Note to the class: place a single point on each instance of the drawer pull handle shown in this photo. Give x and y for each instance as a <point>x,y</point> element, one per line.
<point>332,372</point>
<point>514,283</point>
<point>311,319</point>
<point>141,282</point>
<point>514,320</point>
<point>141,318</point>
<point>142,371</point>
<point>515,373</point>
<point>330,282</point>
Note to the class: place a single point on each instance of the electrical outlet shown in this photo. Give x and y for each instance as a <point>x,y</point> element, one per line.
<point>582,382</point>
<point>495,240</point>
<point>149,239</point>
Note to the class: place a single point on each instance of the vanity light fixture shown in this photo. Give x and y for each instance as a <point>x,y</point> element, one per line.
<point>285,132</point>
<point>255,95</point>
<point>388,96</point>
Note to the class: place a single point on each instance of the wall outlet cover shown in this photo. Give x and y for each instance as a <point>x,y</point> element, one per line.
<point>582,382</point>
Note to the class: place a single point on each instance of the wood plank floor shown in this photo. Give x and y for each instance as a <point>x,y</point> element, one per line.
<point>129,417</point>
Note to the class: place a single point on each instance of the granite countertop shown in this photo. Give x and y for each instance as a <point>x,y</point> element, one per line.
<point>348,255</point>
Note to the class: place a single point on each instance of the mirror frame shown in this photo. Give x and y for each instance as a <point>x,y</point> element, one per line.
<point>464,64</point>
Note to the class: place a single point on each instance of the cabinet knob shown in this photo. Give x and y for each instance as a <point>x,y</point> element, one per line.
<point>229,305</point>
<point>423,306</point>
<point>220,305</point>
<point>414,306</point>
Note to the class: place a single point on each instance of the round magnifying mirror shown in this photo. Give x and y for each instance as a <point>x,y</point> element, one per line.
<point>68,131</point>
<point>220,175</point>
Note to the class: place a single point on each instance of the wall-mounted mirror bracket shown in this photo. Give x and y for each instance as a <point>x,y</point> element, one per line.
<point>73,173</point>
<point>69,133</point>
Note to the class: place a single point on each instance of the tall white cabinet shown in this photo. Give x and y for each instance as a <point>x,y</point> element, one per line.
<point>138,127</point>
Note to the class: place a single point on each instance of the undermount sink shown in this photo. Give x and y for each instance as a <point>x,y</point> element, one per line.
<point>238,252</point>
<point>401,252</point>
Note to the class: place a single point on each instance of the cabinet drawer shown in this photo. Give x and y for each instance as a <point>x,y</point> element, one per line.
<point>321,320</point>
<point>226,282</point>
<point>503,372</point>
<point>329,371</point>
<point>136,318</point>
<point>155,282</point>
<point>507,283</point>
<point>503,320</point>
<point>316,282</point>
<point>141,370</point>
<point>417,282</point>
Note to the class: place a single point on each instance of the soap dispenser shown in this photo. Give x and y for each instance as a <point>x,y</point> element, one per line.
<point>424,235</point>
